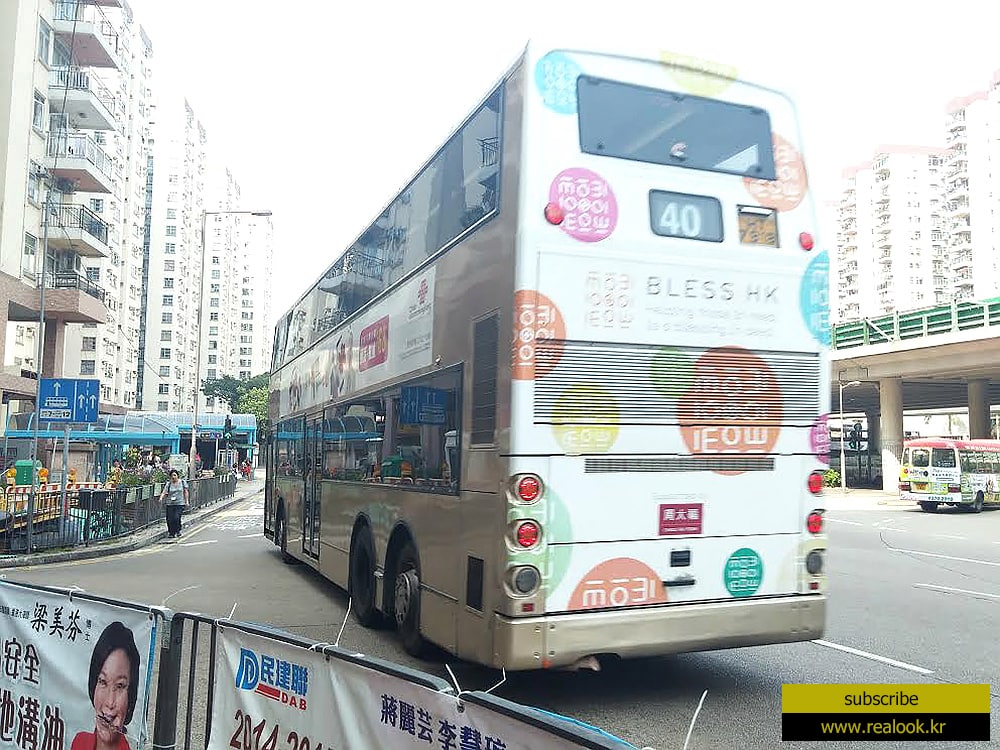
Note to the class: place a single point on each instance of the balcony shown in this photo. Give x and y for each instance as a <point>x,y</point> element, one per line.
<point>79,229</point>
<point>72,280</point>
<point>84,27</point>
<point>78,157</point>
<point>89,105</point>
<point>64,302</point>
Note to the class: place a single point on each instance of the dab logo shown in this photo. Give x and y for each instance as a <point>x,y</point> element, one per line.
<point>282,681</point>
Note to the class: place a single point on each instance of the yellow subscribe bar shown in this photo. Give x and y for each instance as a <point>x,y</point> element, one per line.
<point>881,699</point>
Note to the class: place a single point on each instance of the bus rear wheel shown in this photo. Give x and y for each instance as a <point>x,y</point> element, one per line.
<point>406,602</point>
<point>361,581</point>
<point>928,507</point>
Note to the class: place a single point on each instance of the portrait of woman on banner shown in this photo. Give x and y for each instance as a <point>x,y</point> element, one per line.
<point>113,685</point>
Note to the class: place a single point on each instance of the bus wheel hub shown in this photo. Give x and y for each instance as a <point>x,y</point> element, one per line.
<point>406,585</point>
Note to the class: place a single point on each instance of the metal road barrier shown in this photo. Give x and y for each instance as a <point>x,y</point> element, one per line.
<point>915,324</point>
<point>218,684</point>
<point>90,512</point>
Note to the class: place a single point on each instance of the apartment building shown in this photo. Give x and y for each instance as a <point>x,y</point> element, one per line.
<point>238,266</point>
<point>892,236</point>
<point>110,351</point>
<point>172,295</point>
<point>56,111</point>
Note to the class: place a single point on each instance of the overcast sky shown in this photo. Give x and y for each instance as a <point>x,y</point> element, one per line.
<point>323,109</point>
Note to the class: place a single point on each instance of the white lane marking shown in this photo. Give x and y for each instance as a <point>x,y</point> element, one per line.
<point>850,523</point>
<point>875,657</point>
<point>950,590</point>
<point>948,536</point>
<point>250,536</point>
<point>195,544</point>
<point>946,557</point>
<point>178,591</point>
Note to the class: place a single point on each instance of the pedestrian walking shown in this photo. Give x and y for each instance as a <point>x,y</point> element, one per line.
<point>175,495</point>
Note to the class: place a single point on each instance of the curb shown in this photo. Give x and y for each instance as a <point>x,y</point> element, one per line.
<point>116,548</point>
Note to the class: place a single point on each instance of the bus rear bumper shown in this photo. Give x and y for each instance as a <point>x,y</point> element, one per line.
<point>555,641</point>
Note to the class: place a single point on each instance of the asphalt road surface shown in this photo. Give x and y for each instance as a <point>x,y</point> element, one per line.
<point>915,598</point>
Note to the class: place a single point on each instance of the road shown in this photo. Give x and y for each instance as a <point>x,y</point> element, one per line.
<point>915,598</point>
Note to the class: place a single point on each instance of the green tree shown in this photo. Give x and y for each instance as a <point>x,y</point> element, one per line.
<point>227,388</point>
<point>254,401</point>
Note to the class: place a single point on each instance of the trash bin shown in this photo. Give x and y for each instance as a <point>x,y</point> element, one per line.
<point>24,472</point>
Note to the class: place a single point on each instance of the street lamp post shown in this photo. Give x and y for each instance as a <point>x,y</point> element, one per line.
<point>197,355</point>
<point>843,434</point>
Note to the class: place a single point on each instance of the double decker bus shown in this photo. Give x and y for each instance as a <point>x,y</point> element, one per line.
<point>567,395</point>
<point>946,471</point>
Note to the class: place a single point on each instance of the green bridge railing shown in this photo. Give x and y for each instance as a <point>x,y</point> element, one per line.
<point>915,324</point>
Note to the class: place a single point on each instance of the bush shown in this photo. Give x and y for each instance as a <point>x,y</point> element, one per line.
<point>831,478</point>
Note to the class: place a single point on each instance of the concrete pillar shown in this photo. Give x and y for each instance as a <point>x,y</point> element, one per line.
<point>874,445</point>
<point>890,392</point>
<point>52,351</point>
<point>979,409</point>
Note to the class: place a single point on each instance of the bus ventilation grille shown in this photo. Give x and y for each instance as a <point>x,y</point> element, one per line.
<point>678,463</point>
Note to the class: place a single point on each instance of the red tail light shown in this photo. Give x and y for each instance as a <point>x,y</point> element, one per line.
<point>814,522</point>
<point>529,488</point>
<point>815,483</point>
<point>554,214</point>
<point>527,534</point>
<point>806,241</point>
<point>904,486</point>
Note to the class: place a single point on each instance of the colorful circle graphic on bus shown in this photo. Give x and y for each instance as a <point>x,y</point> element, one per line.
<point>814,298</point>
<point>788,190</point>
<point>539,332</point>
<point>558,528</point>
<point>590,211</point>
<point>819,439</point>
<point>744,572</point>
<point>555,77</point>
<point>671,371</point>
<point>621,582</point>
<point>585,419</point>
<point>733,407</point>
<point>697,76</point>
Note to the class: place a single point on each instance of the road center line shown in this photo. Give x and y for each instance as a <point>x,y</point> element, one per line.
<point>850,523</point>
<point>946,557</point>
<point>195,544</point>
<point>950,590</point>
<point>875,657</point>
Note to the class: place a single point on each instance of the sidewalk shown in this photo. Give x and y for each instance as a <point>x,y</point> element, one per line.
<point>142,538</point>
<point>862,499</point>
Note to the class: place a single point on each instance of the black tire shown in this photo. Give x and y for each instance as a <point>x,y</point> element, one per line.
<point>361,580</point>
<point>406,601</point>
<point>929,507</point>
<point>281,536</point>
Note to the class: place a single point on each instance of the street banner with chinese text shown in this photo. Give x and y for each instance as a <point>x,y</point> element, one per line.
<point>273,695</point>
<point>74,672</point>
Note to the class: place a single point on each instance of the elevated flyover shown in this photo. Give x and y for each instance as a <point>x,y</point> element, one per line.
<point>932,358</point>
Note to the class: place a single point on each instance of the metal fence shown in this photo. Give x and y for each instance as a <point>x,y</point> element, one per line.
<point>90,514</point>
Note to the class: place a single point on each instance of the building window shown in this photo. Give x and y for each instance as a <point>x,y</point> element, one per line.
<point>211,374</point>
<point>213,330</point>
<point>213,359</point>
<point>245,375</point>
<point>214,289</point>
<point>170,248</point>
<point>213,344</point>
<point>89,344</point>
<point>167,317</point>
<point>214,302</point>
<point>166,335</point>
<point>215,260</point>
<point>213,316</point>
<point>165,371</point>
<point>172,197</point>
<point>87,367</point>
<point>168,283</point>
<point>93,273</point>
<point>168,265</point>
<point>168,300</point>
<point>97,204</point>
<point>165,390</point>
<point>171,230</point>
<point>38,113</point>
<point>164,353</point>
<point>44,42</point>
<point>163,406</point>
<point>216,274</point>
<point>171,213</point>
<point>35,183</point>
<point>210,402</point>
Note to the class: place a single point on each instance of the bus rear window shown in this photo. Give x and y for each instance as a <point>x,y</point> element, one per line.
<point>625,121</point>
<point>941,458</point>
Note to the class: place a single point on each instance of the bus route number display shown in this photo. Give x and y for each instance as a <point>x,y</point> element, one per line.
<point>690,217</point>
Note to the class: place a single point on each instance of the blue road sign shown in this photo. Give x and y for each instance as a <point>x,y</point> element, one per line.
<point>68,400</point>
